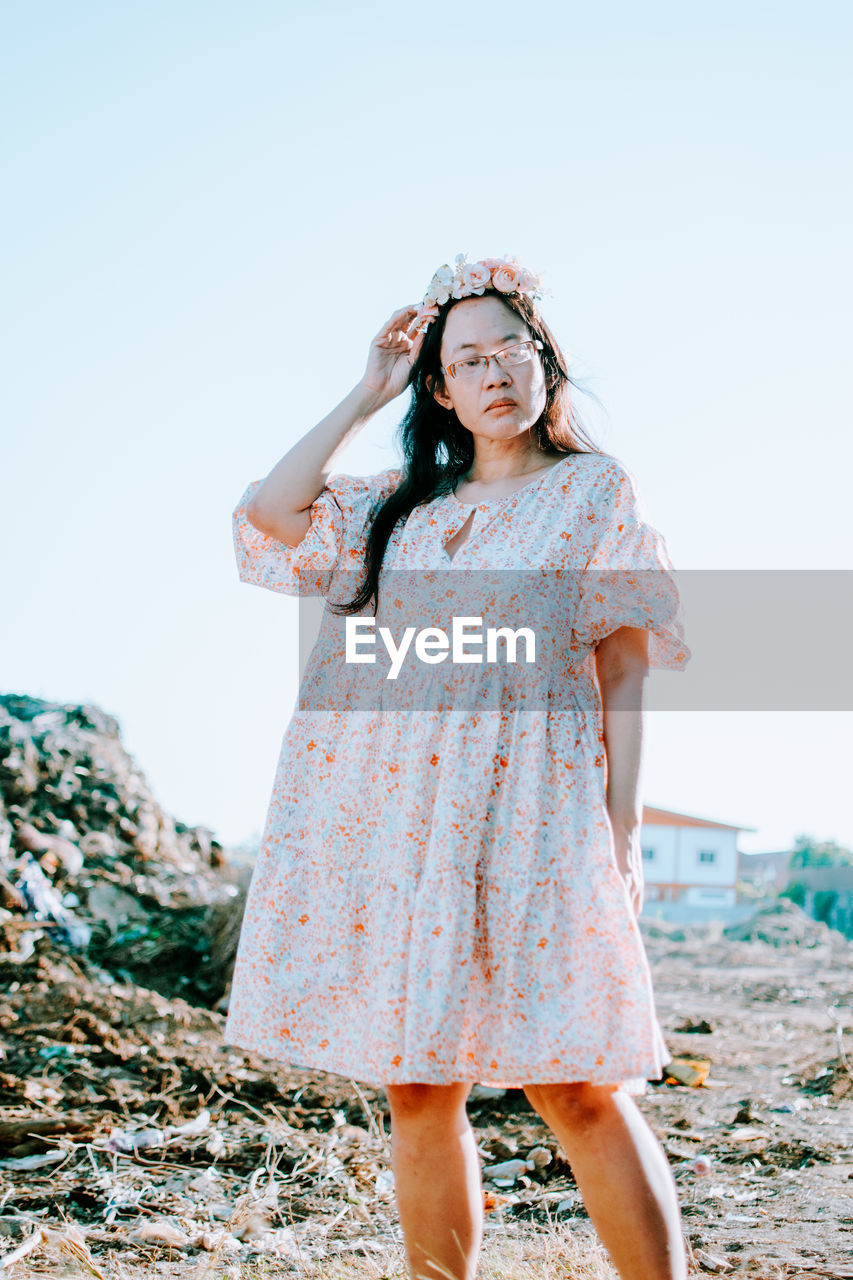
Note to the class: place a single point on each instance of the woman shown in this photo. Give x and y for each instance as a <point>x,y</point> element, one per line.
<point>445,897</point>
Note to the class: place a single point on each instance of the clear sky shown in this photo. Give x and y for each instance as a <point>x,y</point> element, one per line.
<point>210,209</point>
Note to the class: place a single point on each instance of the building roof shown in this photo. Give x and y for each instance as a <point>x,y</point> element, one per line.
<point>669,818</point>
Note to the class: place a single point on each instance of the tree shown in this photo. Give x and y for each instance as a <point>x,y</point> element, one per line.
<point>809,852</point>
<point>796,891</point>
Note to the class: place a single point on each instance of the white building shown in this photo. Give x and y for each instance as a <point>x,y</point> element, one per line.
<point>689,861</point>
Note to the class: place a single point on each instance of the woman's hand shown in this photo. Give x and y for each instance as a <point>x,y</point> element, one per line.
<point>392,353</point>
<point>622,664</point>
<point>629,860</point>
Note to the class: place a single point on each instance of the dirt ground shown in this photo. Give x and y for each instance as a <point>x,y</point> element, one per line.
<point>133,1142</point>
<point>775,1114</point>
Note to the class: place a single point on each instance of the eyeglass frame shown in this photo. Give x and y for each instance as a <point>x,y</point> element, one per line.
<point>526,342</point>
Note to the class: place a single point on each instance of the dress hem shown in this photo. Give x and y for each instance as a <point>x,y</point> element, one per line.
<point>632,1081</point>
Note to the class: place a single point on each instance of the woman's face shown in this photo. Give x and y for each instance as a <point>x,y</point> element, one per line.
<point>480,326</point>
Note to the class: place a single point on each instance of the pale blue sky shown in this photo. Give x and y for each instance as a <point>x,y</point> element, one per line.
<point>211,209</point>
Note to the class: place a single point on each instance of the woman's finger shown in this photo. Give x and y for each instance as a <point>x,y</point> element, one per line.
<point>404,311</point>
<point>392,324</point>
<point>396,338</point>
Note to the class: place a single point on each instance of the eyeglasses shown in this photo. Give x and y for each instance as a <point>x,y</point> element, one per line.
<point>519,353</point>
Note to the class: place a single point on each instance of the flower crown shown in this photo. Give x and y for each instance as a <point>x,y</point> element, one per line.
<point>504,275</point>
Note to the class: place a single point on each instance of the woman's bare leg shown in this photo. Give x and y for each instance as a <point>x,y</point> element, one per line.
<point>437,1179</point>
<point>622,1173</point>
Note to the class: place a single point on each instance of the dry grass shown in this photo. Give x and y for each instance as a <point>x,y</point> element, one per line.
<point>563,1253</point>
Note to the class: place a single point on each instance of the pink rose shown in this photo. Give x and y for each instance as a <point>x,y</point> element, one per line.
<point>472,278</point>
<point>506,278</point>
<point>528,282</point>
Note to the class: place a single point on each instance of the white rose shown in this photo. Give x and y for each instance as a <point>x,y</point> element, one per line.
<point>477,276</point>
<point>440,286</point>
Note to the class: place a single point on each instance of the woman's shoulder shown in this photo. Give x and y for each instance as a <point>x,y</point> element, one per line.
<point>598,471</point>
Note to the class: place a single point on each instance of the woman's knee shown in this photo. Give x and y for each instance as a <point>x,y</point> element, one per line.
<point>575,1102</point>
<point>425,1102</point>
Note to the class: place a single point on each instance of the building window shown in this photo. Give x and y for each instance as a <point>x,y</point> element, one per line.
<point>648,853</point>
<point>707,855</point>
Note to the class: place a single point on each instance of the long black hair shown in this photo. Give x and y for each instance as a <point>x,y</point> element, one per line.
<point>437,450</point>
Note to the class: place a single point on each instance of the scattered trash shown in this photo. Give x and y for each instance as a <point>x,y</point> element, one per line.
<point>191,1128</point>
<point>689,1071</point>
<point>508,1171</point>
<point>494,1202</point>
<point>702,1027</point>
<point>45,903</point>
<point>208,1180</point>
<point>138,1140</point>
<point>833,1078</point>
<point>215,1144</point>
<point>33,1162</point>
<point>218,1240</point>
<point>160,1232</point>
<point>711,1261</point>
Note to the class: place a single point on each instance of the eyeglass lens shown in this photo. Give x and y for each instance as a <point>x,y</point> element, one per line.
<point>509,356</point>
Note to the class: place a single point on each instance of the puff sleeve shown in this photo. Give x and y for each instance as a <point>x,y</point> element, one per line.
<point>335,540</point>
<point>628,580</point>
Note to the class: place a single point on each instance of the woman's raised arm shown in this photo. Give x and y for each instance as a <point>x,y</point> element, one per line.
<point>281,506</point>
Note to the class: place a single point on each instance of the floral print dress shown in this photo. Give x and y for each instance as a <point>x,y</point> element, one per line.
<point>436,897</point>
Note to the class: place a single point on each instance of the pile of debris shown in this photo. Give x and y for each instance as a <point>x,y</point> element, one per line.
<point>783,924</point>
<point>87,854</point>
